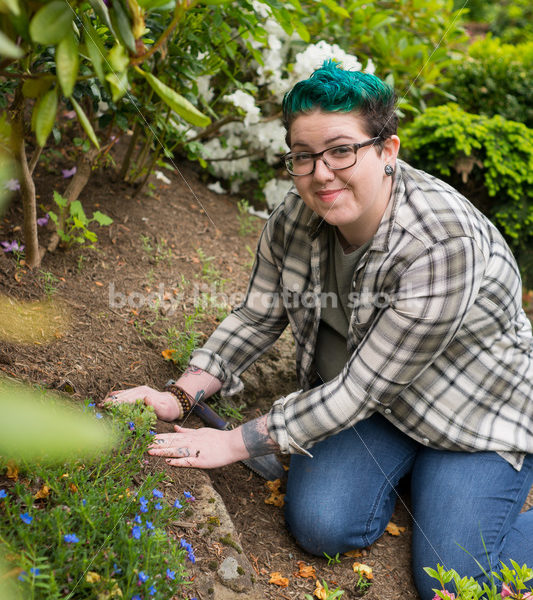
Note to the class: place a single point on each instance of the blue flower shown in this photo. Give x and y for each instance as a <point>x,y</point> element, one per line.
<point>26,518</point>
<point>149,525</point>
<point>35,571</point>
<point>190,552</point>
<point>71,538</point>
<point>98,415</point>
<point>189,497</point>
<point>136,532</point>
<point>177,504</point>
<point>22,576</point>
<point>158,506</point>
<point>138,519</point>
<point>157,493</point>
<point>151,432</point>
<point>131,426</point>
<point>136,597</point>
<point>83,502</point>
<point>143,577</point>
<point>91,404</point>
<point>152,590</point>
<point>143,500</point>
<point>3,494</point>
<point>171,574</point>
<point>116,569</point>
<point>144,508</point>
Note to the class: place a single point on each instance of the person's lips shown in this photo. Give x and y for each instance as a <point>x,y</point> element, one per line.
<point>329,196</point>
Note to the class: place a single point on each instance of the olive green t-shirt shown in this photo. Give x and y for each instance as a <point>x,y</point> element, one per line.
<point>331,352</point>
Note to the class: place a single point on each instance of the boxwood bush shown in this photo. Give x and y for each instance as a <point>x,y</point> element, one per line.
<point>488,159</point>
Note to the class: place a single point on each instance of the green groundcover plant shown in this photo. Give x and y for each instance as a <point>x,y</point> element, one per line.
<point>87,529</point>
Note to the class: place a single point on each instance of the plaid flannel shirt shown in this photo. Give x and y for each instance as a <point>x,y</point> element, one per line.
<point>439,342</point>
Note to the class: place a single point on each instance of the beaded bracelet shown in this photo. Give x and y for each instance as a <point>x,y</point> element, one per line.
<point>184,400</point>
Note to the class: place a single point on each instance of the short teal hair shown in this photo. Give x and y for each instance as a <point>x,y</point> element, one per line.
<point>332,89</point>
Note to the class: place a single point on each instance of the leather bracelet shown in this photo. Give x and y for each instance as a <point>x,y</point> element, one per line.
<point>184,400</point>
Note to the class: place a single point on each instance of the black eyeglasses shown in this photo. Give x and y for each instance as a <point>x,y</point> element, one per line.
<point>335,158</point>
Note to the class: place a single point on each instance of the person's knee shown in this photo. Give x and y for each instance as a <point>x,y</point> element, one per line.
<point>329,532</point>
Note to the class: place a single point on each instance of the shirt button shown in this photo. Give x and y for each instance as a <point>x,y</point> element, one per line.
<point>426,441</point>
<point>388,411</point>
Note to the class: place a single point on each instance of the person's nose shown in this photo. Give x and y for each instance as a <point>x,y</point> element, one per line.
<point>322,171</point>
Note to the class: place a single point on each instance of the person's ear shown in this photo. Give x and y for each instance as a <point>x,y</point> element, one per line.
<point>391,147</point>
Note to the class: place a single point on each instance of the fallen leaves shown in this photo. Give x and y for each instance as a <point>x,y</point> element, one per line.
<point>276,578</point>
<point>12,470</point>
<point>354,553</point>
<point>393,529</point>
<point>276,497</point>
<point>43,493</point>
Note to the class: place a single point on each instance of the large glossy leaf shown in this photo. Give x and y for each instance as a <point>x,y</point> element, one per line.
<point>51,23</point>
<point>85,123</point>
<point>67,63</point>
<point>8,48</point>
<point>44,116</point>
<point>120,20</point>
<point>177,102</point>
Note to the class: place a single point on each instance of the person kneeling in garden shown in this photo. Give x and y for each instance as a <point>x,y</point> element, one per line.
<point>413,352</point>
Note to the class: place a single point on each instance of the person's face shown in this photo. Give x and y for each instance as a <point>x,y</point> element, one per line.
<point>353,199</point>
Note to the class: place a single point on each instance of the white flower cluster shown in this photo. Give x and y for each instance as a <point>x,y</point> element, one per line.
<point>275,190</point>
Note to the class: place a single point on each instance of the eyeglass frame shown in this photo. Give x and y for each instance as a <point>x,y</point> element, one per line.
<point>316,155</point>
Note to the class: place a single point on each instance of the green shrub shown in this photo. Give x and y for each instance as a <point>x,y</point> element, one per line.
<point>495,79</point>
<point>489,160</point>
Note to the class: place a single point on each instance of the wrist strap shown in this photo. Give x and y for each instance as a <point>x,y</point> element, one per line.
<point>184,400</point>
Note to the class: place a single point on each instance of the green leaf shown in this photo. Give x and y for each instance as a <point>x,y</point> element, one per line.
<point>8,48</point>
<point>102,219</point>
<point>119,85</point>
<point>77,213</point>
<point>11,6</point>
<point>102,11</point>
<point>122,24</point>
<point>67,63</point>
<point>35,427</point>
<point>59,200</point>
<point>51,23</point>
<point>118,58</point>
<point>95,49</point>
<point>35,88</point>
<point>163,5</point>
<point>335,8</point>
<point>44,112</point>
<point>90,235</point>
<point>177,103</point>
<point>85,123</point>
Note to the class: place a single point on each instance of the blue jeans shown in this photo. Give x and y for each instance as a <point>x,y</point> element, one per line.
<point>343,498</point>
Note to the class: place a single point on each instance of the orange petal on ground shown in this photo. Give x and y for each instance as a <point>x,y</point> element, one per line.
<point>275,499</point>
<point>393,529</point>
<point>354,553</point>
<point>167,354</point>
<point>363,570</point>
<point>320,592</point>
<point>277,579</point>
<point>305,570</point>
<point>273,485</point>
<point>42,493</point>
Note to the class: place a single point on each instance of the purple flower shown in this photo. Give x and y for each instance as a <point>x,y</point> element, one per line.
<point>177,504</point>
<point>3,494</point>
<point>12,246</point>
<point>156,493</point>
<point>190,552</point>
<point>158,506</point>
<point>136,532</point>
<point>68,172</point>
<point>189,497</point>
<point>43,220</point>
<point>12,185</point>
<point>71,538</point>
<point>143,577</point>
<point>171,574</point>
<point>26,518</point>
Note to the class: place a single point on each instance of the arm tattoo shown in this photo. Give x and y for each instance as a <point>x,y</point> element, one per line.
<point>257,439</point>
<point>192,371</point>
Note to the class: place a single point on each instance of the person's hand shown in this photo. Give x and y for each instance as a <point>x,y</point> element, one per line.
<point>166,406</point>
<point>204,448</point>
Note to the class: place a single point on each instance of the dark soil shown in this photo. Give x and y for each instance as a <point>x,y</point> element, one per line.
<point>107,346</point>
